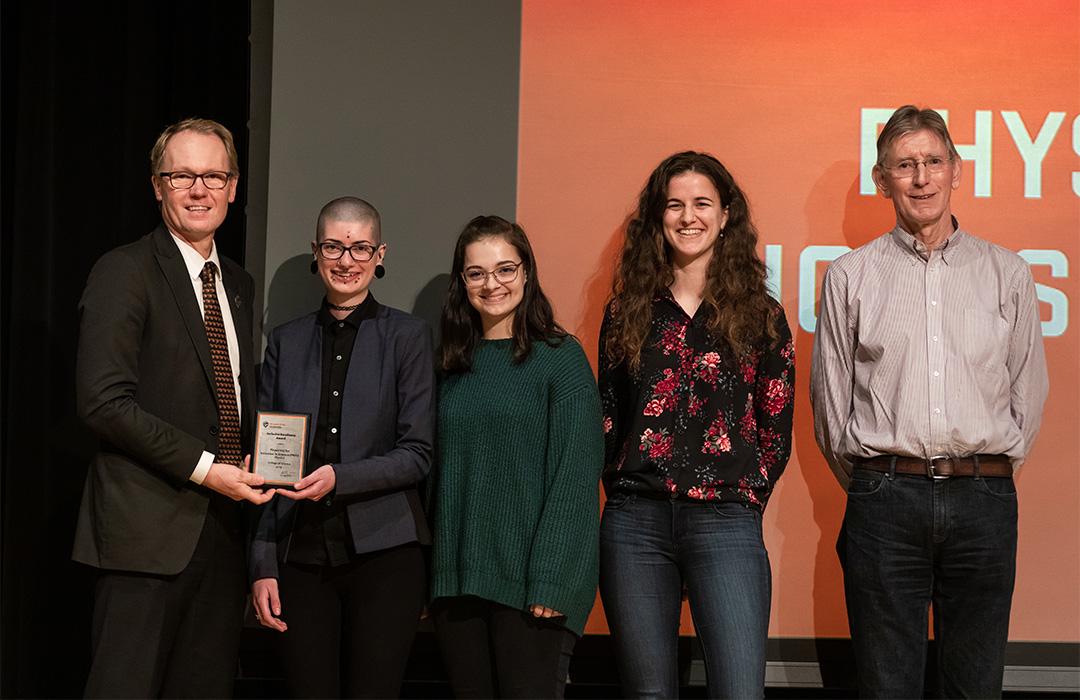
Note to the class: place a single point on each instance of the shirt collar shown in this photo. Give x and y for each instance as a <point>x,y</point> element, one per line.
<point>952,250</point>
<point>367,309</point>
<point>193,261</point>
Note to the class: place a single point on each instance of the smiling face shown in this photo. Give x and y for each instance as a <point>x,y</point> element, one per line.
<point>694,216</point>
<point>345,279</point>
<point>194,214</point>
<point>921,200</point>
<point>495,301</point>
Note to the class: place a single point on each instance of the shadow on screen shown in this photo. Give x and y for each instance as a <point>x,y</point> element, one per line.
<point>294,292</point>
<point>429,302</point>
<point>597,290</point>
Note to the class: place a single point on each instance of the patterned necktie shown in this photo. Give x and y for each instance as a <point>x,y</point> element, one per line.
<point>228,416</point>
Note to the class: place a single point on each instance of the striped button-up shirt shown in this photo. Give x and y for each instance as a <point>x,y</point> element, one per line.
<point>922,353</point>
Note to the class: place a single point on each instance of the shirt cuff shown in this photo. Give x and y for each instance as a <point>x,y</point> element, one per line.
<point>202,468</point>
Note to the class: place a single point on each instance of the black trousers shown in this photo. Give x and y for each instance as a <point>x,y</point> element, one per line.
<point>173,636</point>
<point>494,651</point>
<point>351,627</point>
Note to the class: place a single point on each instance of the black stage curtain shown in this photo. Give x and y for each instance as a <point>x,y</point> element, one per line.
<point>86,88</point>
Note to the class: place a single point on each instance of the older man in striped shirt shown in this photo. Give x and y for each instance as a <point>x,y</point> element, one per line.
<point>927,385</point>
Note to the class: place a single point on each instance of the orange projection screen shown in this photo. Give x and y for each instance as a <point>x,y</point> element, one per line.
<point>790,96</point>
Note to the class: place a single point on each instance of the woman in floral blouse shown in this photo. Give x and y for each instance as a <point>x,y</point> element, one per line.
<point>697,371</point>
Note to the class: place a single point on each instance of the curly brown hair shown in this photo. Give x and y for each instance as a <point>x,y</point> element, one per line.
<point>736,296</point>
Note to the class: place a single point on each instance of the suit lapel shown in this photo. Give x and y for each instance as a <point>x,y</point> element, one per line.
<point>175,272</point>
<point>237,305</point>
<point>242,322</point>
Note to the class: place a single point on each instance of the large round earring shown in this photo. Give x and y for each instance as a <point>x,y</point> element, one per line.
<point>314,266</point>
<point>380,271</point>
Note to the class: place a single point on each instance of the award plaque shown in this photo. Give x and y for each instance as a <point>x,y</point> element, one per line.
<point>280,446</point>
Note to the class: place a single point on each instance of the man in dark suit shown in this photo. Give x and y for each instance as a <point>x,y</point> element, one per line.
<point>165,380</point>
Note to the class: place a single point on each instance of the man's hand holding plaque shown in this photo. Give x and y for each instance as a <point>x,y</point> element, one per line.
<point>280,448</point>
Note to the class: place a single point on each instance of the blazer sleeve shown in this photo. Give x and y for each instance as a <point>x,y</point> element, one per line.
<point>409,461</point>
<point>113,315</point>
<point>263,550</point>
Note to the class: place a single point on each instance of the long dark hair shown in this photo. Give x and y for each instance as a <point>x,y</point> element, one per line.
<point>460,325</point>
<point>736,296</point>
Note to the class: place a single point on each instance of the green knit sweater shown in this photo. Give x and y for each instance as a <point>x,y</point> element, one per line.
<point>516,503</point>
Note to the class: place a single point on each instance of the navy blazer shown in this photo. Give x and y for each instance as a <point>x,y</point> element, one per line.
<point>387,429</point>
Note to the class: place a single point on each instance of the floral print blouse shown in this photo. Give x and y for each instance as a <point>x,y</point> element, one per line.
<point>694,422</point>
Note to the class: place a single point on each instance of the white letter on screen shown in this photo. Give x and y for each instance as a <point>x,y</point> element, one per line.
<point>774,260</point>
<point>1058,301</point>
<point>1031,151</point>
<point>808,261</point>
<point>1076,150</point>
<point>981,152</point>
<point>872,117</point>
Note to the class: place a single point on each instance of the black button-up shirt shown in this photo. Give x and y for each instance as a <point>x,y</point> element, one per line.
<point>321,534</point>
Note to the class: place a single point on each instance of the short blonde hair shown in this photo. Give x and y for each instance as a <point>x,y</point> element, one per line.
<point>201,126</point>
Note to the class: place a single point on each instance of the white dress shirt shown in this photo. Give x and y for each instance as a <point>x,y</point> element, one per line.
<point>194,262</point>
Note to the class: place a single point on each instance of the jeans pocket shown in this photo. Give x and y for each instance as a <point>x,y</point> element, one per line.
<point>732,509</point>
<point>1001,488</point>
<point>618,500</point>
<point>865,482</point>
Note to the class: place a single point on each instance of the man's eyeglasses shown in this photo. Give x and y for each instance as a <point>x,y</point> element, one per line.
<point>180,180</point>
<point>360,252</point>
<point>907,168</point>
<point>503,274</point>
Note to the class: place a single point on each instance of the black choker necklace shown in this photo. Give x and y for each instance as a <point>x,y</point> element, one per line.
<point>335,307</point>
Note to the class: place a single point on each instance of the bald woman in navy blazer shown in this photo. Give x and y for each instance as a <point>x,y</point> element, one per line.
<point>336,564</point>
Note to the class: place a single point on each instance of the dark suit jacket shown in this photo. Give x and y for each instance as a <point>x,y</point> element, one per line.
<point>387,429</point>
<point>145,387</point>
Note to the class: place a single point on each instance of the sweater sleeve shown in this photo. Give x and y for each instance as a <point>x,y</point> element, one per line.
<point>564,558</point>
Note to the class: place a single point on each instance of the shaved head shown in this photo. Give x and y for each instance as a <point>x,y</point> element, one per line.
<point>352,209</point>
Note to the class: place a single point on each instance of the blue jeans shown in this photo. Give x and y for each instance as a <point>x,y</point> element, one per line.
<point>649,550</point>
<point>909,542</point>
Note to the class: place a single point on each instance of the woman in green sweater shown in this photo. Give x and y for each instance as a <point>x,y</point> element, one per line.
<point>515,495</point>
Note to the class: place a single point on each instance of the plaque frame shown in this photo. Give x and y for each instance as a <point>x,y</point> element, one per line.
<point>298,421</point>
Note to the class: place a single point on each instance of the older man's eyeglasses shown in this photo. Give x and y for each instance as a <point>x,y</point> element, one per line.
<point>503,274</point>
<point>908,167</point>
<point>180,180</point>
<point>360,252</point>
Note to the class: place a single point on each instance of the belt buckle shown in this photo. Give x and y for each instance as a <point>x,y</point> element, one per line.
<point>930,467</point>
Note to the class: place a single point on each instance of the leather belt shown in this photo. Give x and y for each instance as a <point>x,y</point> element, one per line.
<point>941,466</point>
